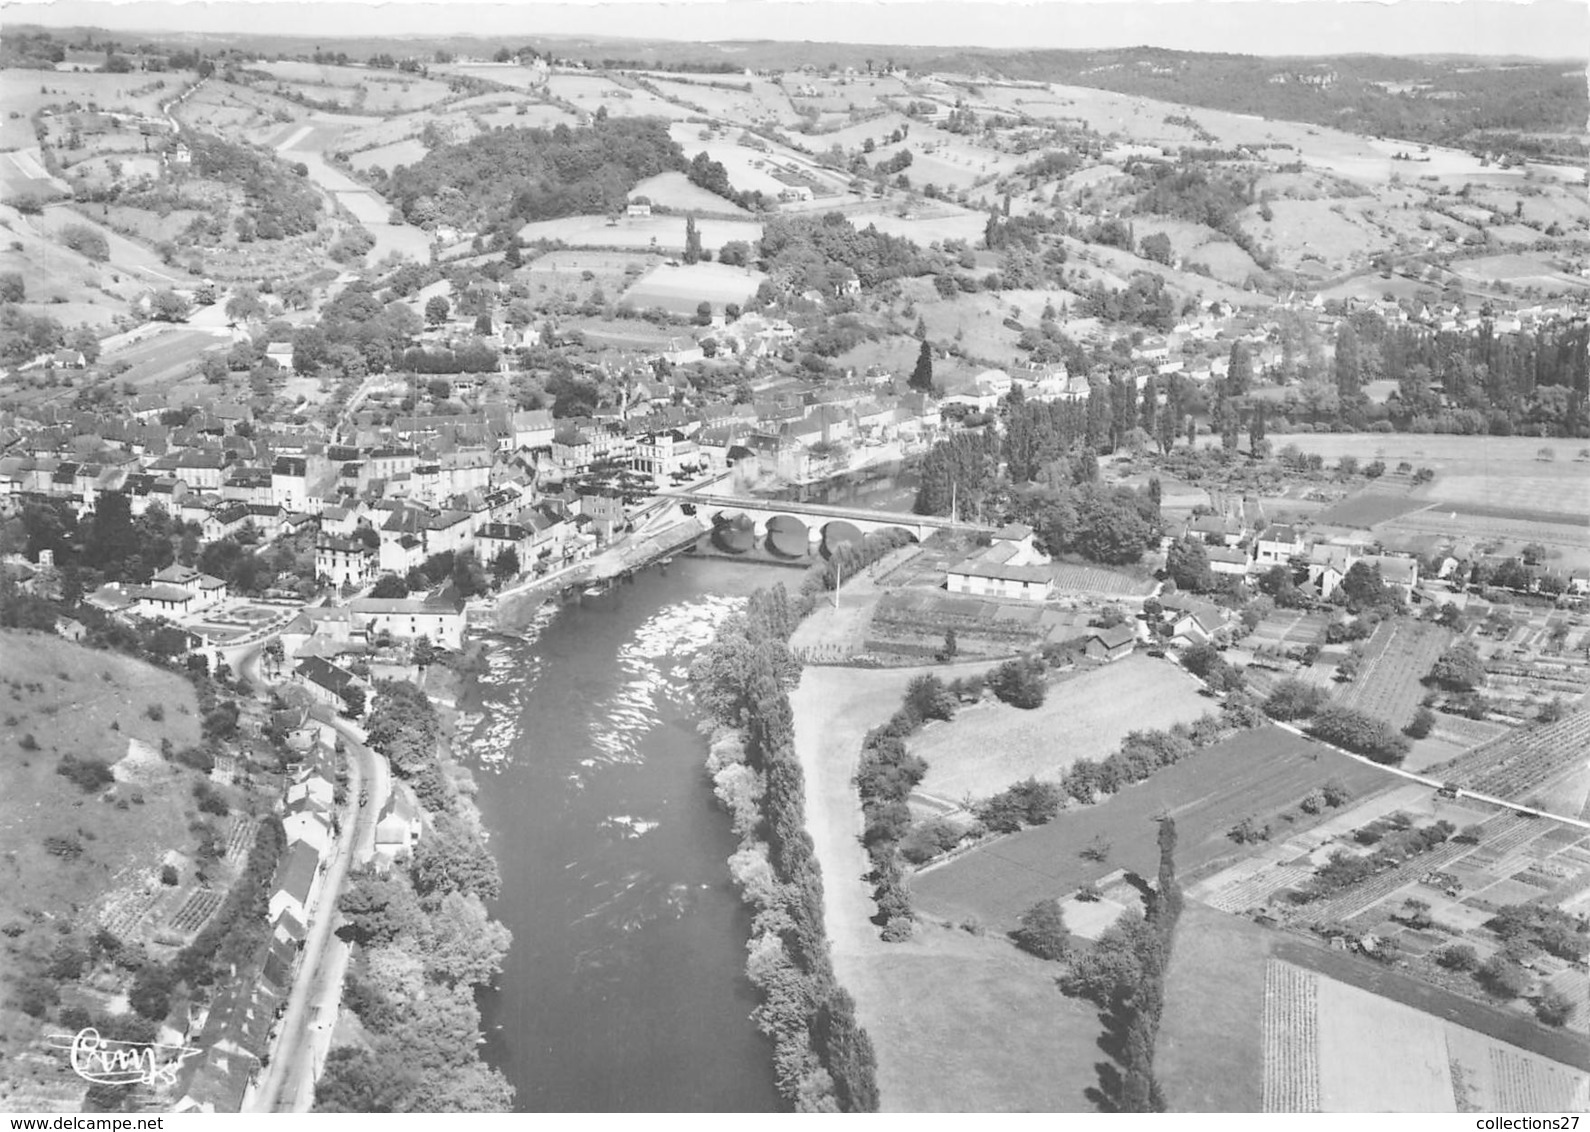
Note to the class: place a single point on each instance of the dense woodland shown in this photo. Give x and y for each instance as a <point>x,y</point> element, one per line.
<point>509,177</point>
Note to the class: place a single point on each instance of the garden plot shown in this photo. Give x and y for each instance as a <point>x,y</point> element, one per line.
<point>1258,772</point>
<point>1398,658</point>
<point>1374,1054</point>
<point>680,290</point>
<point>989,746</point>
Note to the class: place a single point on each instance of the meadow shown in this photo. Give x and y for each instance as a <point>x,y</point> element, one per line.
<point>680,289</point>
<point>991,745</point>
<point>61,699</point>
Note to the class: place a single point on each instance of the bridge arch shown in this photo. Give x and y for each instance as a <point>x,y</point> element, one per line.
<point>788,536</point>
<point>837,533</point>
<point>734,533</point>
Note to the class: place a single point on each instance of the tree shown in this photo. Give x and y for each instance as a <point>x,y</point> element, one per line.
<point>505,565</point>
<point>1239,374</point>
<point>692,241</point>
<point>353,701</point>
<point>463,945</point>
<point>1459,668</point>
<point>1294,699</point>
<point>1187,563</point>
<point>1422,723</point>
<point>1157,247</point>
<point>1555,1008</point>
<point>703,313</point>
<point>437,310</point>
<point>1043,931</point>
<point>1348,365</point>
<point>1020,683</point>
<point>922,375</point>
<point>1360,732</point>
<point>390,586</point>
<point>168,306</point>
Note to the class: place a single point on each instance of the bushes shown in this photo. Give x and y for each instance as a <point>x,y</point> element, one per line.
<point>68,847</point>
<point>1360,732</point>
<point>1026,803</point>
<point>1020,683</point>
<point>929,839</point>
<point>88,774</point>
<point>1294,699</point>
<point>1422,723</point>
<point>89,241</point>
<point>1042,931</point>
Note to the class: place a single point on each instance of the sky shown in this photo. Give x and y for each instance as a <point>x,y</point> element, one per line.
<point>1542,28</point>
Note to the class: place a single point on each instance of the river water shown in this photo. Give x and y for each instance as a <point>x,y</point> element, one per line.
<point>625,988</point>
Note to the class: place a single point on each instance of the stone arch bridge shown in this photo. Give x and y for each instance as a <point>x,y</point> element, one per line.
<point>794,528</point>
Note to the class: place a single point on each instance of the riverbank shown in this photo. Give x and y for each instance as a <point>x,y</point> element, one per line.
<point>423,940</point>
<point>960,1021</point>
<point>635,552</point>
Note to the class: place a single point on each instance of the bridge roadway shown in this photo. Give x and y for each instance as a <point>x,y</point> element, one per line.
<point>774,507</point>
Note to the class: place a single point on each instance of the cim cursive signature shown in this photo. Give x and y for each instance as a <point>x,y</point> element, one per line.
<point>107,1061</point>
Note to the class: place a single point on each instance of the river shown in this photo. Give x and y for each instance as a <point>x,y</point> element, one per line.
<point>624,989</point>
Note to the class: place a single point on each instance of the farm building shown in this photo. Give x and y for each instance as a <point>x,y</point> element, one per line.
<point>1110,644</point>
<point>1011,567</point>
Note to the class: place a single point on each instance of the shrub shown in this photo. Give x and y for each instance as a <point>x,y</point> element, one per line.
<point>28,742</point>
<point>1422,723</point>
<point>1458,957</point>
<point>210,799</point>
<point>1360,732</point>
<point>156,712</point>
<point>1043,931</point>
<point>1294,699</point>
<point>168,875</point>
<point>929,839</point>
<point>88,774</point>
<point>1020,683</point>
<point>1503,977</point>
<point>68,846</point>
<point>1554,1009</point>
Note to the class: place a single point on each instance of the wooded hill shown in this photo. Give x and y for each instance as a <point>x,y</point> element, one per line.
<point>512,176</point>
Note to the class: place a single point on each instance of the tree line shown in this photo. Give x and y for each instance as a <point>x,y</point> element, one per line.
<point>823,1059</point>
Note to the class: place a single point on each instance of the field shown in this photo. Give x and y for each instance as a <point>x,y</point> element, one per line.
<point>27,92</point>
<point>61,699</point>
<point>358,89</point>
<point>1399,656</point>
<point>1257,773</point>
<point>679,290</point>
<point>674,191</point>
<point>960,1021</point>
<point>1522,763</point>
<point>1334,1047</point>
<point>665,233</point>
<point>991,745</point>
<point>1369,508</point>
<point>1214,985</point>
<point>1502,472</point>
